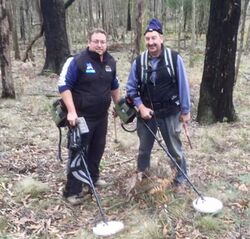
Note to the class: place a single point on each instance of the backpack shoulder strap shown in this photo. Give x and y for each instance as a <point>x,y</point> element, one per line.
<point>170,58</point>
<point>144,66</point>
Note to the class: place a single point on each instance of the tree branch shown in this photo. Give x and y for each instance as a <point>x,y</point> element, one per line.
<point>40,34</point>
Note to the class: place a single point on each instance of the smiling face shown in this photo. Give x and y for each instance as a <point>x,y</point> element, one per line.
<point>98,43</point>
<point>153,41</point>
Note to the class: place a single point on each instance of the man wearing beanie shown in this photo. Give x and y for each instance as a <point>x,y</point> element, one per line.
<point>159,88</point>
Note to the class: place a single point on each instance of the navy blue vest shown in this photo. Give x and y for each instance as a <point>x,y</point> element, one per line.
<point>163,94</point>
<point>92,91</point>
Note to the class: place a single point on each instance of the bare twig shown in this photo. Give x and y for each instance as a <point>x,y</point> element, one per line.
<point>40,34</point>
<point>120,162</point>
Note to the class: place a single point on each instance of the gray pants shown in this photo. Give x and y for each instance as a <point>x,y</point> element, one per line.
<point>170,128</point>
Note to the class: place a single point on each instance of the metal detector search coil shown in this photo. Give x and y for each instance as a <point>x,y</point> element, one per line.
<point>207,205</point>
<point>107,229</point>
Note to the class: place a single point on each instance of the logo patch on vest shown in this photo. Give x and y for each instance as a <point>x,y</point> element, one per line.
<point>90,69</point>
<point>108,68</point>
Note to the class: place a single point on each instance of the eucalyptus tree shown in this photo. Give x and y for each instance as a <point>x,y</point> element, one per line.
<point>8,90</point>
<point>247,45</point>
<point>139,7</point>
<point>216,90</point>
<point>14,31</point>
<point>56,39</point>
<point>191,57</point>
<point>242,34</point>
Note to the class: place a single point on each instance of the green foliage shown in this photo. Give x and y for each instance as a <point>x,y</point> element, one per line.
<point>224,190</point>
<point>174,4</point>
<point>3,179</point>
<point>245,178</point>
<point>149,227</point>
<point>210,224</point>
<point>5,237</point>
<point>177,208</point>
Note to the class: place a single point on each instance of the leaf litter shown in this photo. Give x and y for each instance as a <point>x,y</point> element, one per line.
<point>28,149</point>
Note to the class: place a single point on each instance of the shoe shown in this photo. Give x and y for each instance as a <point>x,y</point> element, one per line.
<point>101,183</point>
<point>75,199</point>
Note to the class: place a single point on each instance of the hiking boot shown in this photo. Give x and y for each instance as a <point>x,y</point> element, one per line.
<point>101,183</point>
<point>75,199</point>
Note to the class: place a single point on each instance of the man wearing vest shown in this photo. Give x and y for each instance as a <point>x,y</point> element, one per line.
<point>87,83</point>
<point>158,86</point>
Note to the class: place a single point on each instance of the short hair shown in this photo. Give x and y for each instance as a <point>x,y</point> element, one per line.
<point>96,30</point>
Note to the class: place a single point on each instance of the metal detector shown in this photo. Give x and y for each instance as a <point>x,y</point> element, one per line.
<point>201,204</point>
<point>81,172</point>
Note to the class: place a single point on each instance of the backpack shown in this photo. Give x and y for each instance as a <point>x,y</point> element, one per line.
<point>59,116</point>
<point>170,58</point>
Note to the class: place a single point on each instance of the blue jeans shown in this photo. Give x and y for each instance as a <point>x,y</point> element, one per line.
<point>170,128</point>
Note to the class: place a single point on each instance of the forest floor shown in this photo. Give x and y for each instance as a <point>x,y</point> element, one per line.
<point>32,179</point>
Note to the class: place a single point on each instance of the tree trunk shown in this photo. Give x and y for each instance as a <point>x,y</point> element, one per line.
<point>138,31</point>
<point>216,92</point>
<point>129,16</point>
<point>22,24</point>
<point>8,90</point>
<point>56,40</point>
<point>247,46</point>
<point>180,13</point>
<point>103,9</point>
<point>191,57</point>
<point>242,33</point>
<point>14,31</point>
<point>90,15</point>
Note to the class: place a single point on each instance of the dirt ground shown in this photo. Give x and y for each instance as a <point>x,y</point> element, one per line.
<point>32,178</point>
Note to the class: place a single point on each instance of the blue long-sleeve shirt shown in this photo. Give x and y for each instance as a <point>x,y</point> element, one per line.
<point>184,91</point>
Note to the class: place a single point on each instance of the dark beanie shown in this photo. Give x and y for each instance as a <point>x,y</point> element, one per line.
<point>154,25</point>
